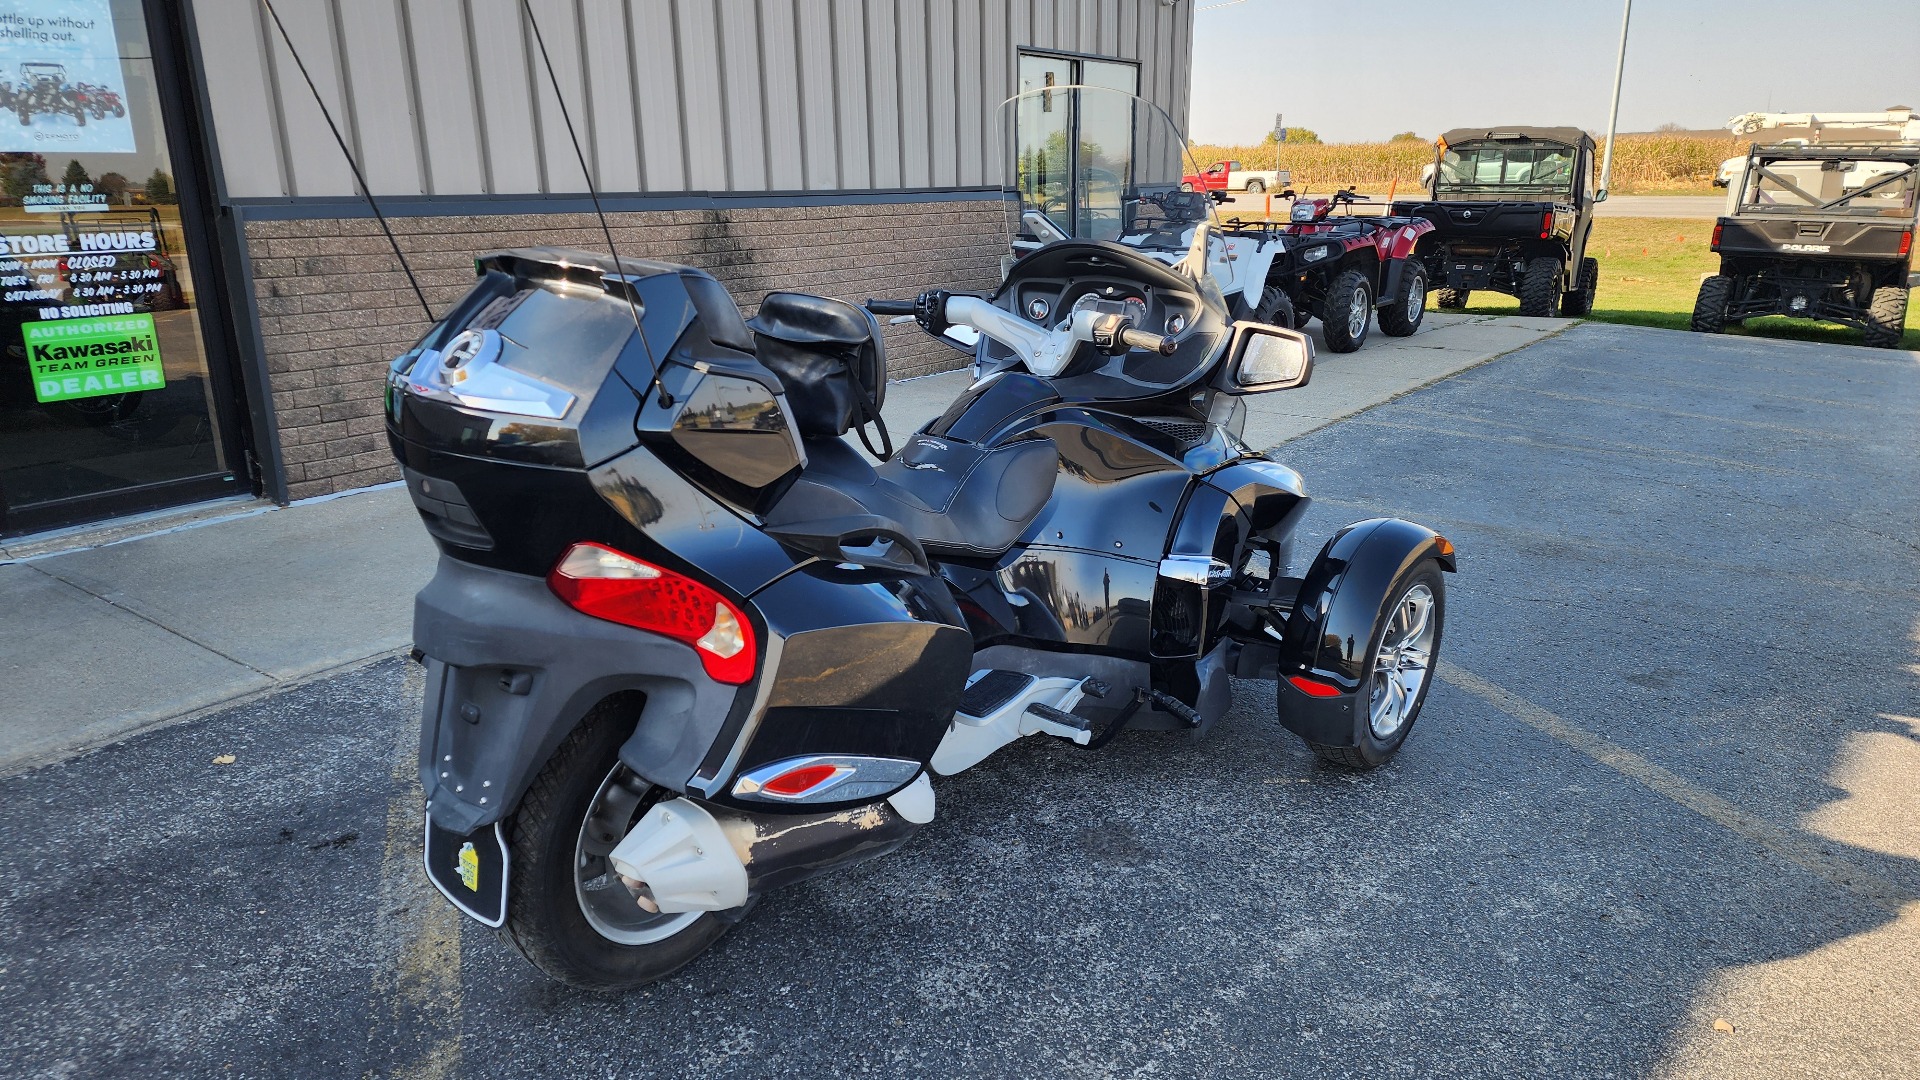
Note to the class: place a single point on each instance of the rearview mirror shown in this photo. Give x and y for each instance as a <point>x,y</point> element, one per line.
<point>1264,358</point>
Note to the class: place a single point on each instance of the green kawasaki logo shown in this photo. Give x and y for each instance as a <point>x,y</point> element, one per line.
<point>80,358</point>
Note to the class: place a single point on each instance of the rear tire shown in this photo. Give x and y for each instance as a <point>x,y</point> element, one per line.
<point>1452,299</point>
<point>1408,629</point>
<point>1402,315</point>
<point>1578,304</point>
<point>1347,311</point>
<point>1186,187</point>
<point>1887,317</point>
<point>545,919</point>
<point>1540,287</point>
<point>1256,187</point>
<point>1710,307</point>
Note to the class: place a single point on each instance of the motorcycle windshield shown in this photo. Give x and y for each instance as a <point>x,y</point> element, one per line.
<point>1092,163</point>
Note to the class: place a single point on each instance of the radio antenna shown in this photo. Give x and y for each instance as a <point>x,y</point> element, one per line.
<point>348,154</point>
<point>594,194</point>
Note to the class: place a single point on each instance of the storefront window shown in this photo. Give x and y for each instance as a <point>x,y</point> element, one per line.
<point>106,398</point>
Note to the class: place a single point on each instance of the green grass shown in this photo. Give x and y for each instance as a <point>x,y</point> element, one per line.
<point>1650,271</point>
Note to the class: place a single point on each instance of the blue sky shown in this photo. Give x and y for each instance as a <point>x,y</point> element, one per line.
<point>1355,72</point>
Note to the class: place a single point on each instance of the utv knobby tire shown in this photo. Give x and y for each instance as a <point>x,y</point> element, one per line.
<point>1372,752</point>
<point>1540,287</point>
<point>1710,307</point>
<point>544,920</point>
<point>1337,308</point>
<point>1887,317</point>
<point>1578,304</point>
<point>1452,299</point>
<point>1404,312</point>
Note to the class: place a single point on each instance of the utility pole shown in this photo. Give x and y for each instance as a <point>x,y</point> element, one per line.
<point>1613,114</point>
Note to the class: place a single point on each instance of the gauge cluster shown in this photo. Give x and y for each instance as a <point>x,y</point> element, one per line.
<point>1053,303</point>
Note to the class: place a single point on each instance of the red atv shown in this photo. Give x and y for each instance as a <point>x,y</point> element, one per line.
<point>1340,269</point>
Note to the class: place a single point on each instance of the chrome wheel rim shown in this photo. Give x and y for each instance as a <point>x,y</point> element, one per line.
<point>1357,314</point>
<point>609,908</point>
<point>1402,663</point>
<point>1416,297</point>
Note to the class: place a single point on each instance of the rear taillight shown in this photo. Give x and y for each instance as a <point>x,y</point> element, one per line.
<point>1546,225</point>
<point>607,584</point>
<point>1716,236</point>
<point>1906,242</point>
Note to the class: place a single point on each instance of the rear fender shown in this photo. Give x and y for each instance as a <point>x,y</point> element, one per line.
<point>511,670</point>
<point>1333,619</point>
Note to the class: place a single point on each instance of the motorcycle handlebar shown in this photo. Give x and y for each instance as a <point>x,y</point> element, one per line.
<point>1140,339</point>
<point>892,307</point>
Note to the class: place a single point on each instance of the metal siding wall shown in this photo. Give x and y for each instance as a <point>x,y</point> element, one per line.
<point>819,115</point>
<point>656,84</point>
<point>883,93</point>
<point>779,67</point>
<point>241,93</point>
<point>448,97</point>
<point>916,78</point>
<point>379,70</point>
<point>745,128</point>
<point>449,124</point>
<point>614,151</point>
<point>505,100</point>
<point>313,161</point>
<point>703,119</point>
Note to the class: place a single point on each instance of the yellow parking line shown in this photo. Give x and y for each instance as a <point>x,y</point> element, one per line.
<point>1786,843</point>
<point>418,996</point>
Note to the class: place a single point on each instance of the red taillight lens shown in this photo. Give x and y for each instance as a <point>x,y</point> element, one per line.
<point>1716,236</point>
<point>617,587</point>
<point>1906,242</point>
<point>1546,225</point>
<point>1313,687</point>
<point>800,781</point>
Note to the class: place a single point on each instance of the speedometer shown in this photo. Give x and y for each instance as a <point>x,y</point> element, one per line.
<point>1136,310</point>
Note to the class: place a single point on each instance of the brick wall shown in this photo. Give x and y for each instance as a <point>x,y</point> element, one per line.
<point>335,309</point>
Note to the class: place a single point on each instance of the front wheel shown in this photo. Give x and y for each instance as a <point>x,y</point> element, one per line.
<point>567,911</point>
<point>1403,647</point>
<point>1401,317</point>
<point>1276,309</point>
<point>1347,311</point>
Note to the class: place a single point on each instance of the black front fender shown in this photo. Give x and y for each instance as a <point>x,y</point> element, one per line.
<point>1333,620</point>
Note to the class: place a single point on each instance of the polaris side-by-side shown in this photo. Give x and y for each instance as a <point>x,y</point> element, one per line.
<point>686,645</point>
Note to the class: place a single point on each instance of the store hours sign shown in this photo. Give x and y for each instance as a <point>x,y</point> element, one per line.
<point>81,358</point>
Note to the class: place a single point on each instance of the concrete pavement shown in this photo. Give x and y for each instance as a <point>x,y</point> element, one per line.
<point>213,609</point>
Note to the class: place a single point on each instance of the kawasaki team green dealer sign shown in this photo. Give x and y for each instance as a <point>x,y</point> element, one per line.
<point>81,358</point>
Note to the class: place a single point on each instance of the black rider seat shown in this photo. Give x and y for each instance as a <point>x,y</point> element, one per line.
<point>956,498</point>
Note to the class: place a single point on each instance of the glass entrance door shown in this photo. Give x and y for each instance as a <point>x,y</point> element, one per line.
<point>110,400</point>
<point>1072,149</point>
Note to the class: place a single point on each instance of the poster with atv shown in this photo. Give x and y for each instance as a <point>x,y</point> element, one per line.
<point>61,87</point>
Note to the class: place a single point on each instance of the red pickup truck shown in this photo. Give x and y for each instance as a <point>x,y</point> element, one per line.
<point>1229,176</point>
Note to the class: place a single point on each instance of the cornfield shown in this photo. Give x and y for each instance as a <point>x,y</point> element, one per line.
<point>1641,163</point>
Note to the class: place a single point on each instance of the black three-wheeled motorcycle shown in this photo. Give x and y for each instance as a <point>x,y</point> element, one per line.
<point>686,644</point>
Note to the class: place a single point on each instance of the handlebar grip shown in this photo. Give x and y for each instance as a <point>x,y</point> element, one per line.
<point>892,307</point>
<point>1140,339</point>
